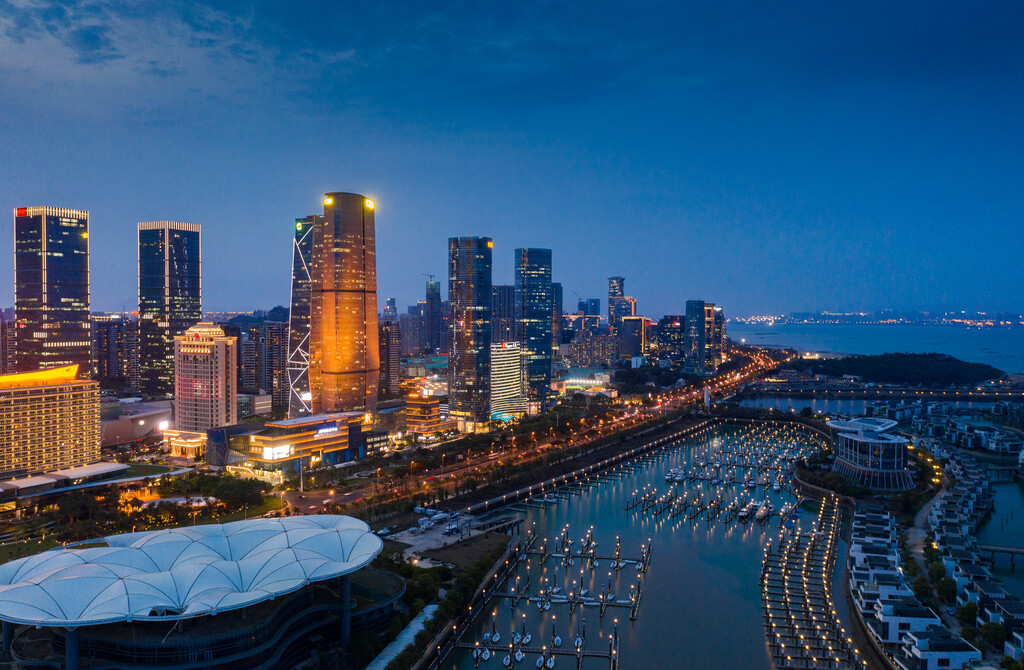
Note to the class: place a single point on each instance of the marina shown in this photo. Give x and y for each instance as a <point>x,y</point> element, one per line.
<point>588,571</point>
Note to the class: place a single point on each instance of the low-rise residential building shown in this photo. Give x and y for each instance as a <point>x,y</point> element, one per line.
<point>935,649</point>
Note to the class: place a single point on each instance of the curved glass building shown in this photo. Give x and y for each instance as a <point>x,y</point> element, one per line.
<point>869,455</point>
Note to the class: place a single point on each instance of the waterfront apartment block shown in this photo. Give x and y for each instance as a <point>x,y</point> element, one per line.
<point>49,419</point>
<point>51,288</point>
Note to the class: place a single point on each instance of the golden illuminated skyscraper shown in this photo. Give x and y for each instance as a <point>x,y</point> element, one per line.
<point>344,362</point>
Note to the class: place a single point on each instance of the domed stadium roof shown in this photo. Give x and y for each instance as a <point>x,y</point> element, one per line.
<point>182,572</point>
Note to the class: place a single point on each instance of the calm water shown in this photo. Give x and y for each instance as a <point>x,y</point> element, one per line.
<point>1002,348</point>
<point>1005,527</point>
<point>826,406</point>
<point>701,602</point>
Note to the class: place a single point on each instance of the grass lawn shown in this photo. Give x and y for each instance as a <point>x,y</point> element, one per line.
<point>13,550</point>
<point>270,503</point>
<point>146,469</point>
<point>464,554</point>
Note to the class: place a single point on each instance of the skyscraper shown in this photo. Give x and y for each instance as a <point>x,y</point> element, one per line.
<point>300,401</point>
<point>503,313</point>
<point>434,335</point>
<point>533,318</point>
<point>556,317</point>
<point>632,336</point>
<point>672,336</point>
<point>170,297</point>
<point>695,336</point>
<point>111,350</point>
<point>469,362</point>
<point>274,357</point>
<point>8,348</point>
<point>51,288</point>
<point>390,312</point>
<point>344,362</point>
<point>205,394</point>
<point>705,336</point>
<point>616,290</point>
<point>390,360</point>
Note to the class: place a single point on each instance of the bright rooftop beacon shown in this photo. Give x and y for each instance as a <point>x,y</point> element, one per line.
<point>250,594</point>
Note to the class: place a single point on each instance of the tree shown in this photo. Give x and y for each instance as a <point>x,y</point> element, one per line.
<point>994,634</point>
<point>922,588</point>
<point>946,588</point>
<point>968,614</point>
<point>936,571</point>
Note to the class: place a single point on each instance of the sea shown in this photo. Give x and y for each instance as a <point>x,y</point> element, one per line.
<point>1002,348</point>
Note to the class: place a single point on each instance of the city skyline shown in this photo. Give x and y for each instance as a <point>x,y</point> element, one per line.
<point>718,151</point>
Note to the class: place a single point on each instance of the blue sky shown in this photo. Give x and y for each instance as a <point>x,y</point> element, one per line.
<point>767,157</point>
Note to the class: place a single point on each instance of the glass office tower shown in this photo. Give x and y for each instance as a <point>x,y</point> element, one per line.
<point>300,401</point>
<point>51,288</point>
<point>434,334</point>
<point>616,294</point>
<point>533,317</point>
<point>503,313</point>
<point>344,361</point>
<point>469,361</point>
<point>170,297</point>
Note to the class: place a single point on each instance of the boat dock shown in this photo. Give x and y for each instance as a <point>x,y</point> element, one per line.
<point>800,619</point>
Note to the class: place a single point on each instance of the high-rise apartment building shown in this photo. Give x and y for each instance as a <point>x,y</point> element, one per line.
<point>508,380</point>
<point>390,360</point>
<point>344,362</point>
<point>503,313</point>
<point>49,420</point>
<point>469,361</point>
<point>205,391</point>
<point>433,333</point>
<point>533,318</point>
<point>51,288</point>
<point>274,359</point>
<point>300,400</point>
<point>170,297</point>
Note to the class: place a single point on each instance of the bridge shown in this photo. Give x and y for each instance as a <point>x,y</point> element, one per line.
<point>881,393</point>
<point>1012,552</point>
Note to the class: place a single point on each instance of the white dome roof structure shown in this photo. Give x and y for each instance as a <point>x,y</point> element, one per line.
<point>182,572</point>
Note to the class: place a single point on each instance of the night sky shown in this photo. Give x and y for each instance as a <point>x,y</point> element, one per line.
<point>765,156</point>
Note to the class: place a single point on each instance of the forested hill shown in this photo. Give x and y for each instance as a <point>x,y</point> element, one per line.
<point>913,369</point>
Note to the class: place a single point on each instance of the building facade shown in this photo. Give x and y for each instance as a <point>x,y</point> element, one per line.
<point>170,297</point>
<point>556,317</point>
<point>469,361</point>
<point>534,309</point>
<point>300,400</point>
<point>274,359</point>
<point>344,362</point>
<point>509,390</point>
<point>503,313</point>
<point>205,379</point>
<point>390,343</point>
<point>870,455</point>
<point>632,336</point>
<point>51,288</point>
<point>49,419</point>
<point>434,339</point>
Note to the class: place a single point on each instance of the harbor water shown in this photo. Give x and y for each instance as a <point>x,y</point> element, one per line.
<point>1005,527</point>
<point>847,407</point>
<point>700,604</point>
<point>1002,348</point>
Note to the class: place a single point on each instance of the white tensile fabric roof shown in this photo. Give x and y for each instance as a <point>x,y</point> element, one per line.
<point>182,572</point>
